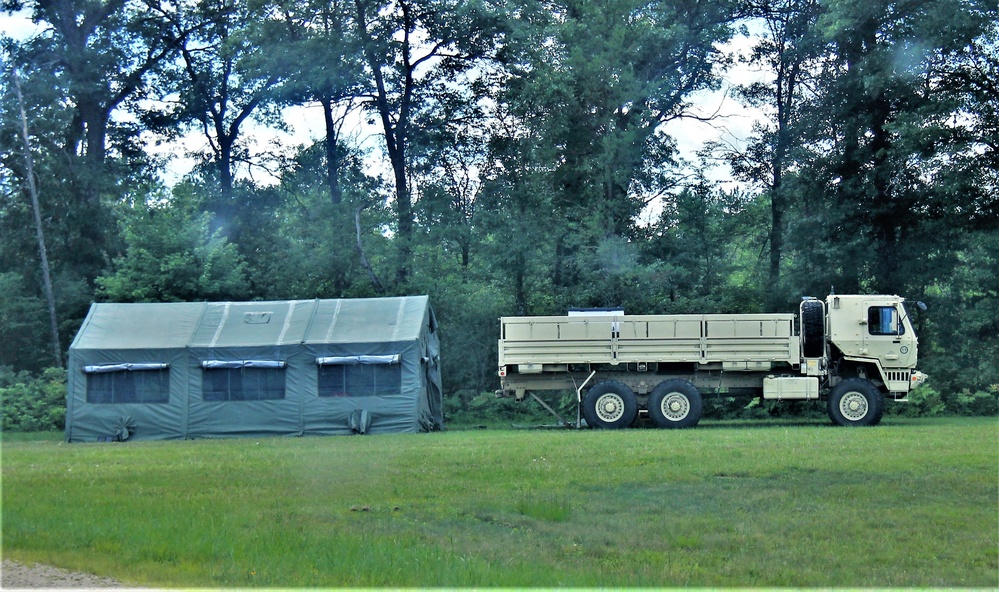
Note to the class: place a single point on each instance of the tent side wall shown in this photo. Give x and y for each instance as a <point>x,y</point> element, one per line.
<point>326,414</point>
<point>92,421</point>
<point>216,417</point>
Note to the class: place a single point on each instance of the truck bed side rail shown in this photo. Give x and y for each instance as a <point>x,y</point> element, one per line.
<point>735,339</point>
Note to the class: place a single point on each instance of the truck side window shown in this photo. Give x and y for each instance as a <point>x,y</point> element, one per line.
<point>883,320</point>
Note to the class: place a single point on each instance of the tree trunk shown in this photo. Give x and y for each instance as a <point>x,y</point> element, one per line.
<point>36,207</point>
<point>379,288</point>
<point>332,152</point>
<point>395,133</point>
<point>404,206</point>
<point>225,165</point>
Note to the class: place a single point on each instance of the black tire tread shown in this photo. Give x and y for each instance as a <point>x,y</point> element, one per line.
<point>875,402</point>
<point>608,386</point>
<point>812,329</point>
<point>675,385</point>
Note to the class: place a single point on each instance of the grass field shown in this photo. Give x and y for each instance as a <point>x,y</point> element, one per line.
<point>912,503</point>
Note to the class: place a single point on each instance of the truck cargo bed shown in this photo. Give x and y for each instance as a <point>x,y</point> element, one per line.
<point>739,342</point>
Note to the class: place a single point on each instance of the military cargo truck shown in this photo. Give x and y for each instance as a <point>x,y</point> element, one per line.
<point>852,350</point>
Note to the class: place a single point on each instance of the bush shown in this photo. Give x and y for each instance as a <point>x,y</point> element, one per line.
<point>33,404</point>
<point>922,401</point>
<point>969,403</point>
<point>927,401</point>
<point>486,408</point>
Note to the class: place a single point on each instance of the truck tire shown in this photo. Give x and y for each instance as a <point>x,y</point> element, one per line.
<point>675,404</point>
<point>610,405</point>
<point>812,329</point>
<point>856,402</point>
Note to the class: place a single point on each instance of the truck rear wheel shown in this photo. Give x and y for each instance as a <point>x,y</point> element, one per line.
<point>610,405</point>
<point>856,402</point>
<point>675,403</point>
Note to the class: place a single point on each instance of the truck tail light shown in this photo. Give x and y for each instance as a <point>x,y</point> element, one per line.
<point>502,371</point>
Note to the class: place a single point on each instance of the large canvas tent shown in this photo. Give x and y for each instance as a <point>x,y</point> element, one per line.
<point>219,369</point>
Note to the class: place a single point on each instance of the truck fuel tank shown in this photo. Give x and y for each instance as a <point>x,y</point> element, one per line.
<point>790,387</point>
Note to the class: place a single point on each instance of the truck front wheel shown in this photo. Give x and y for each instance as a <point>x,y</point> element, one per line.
<point>675,403</point>
<point>856,402</point>
<point>610,405</point>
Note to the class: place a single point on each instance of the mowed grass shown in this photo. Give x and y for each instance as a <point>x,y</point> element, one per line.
<point>912,503</point>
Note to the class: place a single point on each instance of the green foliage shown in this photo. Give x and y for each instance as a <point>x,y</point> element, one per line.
<point>305,247</point>
<point>531,164</point>
<point>983,403</point>
<point>729,505</point>
<point>961,327</point>
<point>469,343</point>
<point>760,409</point>
<point>33,404</point>
<point>898,162</point>
<point>464,409</point>
<point>923,401</point>
<point>23,327</point>
<point>172,255</point>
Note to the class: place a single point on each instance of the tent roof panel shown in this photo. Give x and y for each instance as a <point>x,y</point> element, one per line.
<point>368,320</point>
<point>234,324</point>
<point>228,324</point>
<point>137,326</point>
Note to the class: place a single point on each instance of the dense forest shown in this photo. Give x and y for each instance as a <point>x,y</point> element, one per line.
<point>514,157</point>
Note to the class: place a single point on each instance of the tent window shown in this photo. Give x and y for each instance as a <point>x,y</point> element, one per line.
<point>129,386</point>
<point>243,384</point>
<point>359,380</point>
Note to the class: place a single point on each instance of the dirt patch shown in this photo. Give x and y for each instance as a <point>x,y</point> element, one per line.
<point>16,575</point>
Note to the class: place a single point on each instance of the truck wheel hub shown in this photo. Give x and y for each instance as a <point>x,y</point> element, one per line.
<point>853,406</point>
<point>610,407</point>
<point>675,406</point>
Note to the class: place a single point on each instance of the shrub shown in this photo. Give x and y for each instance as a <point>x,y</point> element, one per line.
<point>33,404</point>
<point>969,403</point>
<point>922,401</point>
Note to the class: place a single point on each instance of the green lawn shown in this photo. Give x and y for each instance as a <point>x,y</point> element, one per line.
<point>912,503</point>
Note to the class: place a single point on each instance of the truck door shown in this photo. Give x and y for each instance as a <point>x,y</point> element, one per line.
<point>887,337</point>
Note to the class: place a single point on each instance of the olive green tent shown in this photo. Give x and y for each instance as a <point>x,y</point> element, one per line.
<point>220,369</point>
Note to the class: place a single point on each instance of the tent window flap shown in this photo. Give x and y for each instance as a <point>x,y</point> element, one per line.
<point>101,368</point>
<point>216,364</point>
<point>351,360</point>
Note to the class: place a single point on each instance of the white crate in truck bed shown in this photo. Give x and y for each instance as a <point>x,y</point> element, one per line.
<point>739,342</point>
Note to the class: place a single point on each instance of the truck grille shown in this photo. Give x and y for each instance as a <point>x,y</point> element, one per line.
<point>897,375</point>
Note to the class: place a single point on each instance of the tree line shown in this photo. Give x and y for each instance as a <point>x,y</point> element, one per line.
<point>523,163</point>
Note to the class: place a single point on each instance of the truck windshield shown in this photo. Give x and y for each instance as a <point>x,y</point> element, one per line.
<point>883,320</point>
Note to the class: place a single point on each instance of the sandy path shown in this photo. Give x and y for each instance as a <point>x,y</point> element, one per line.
<point>16,575</point>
